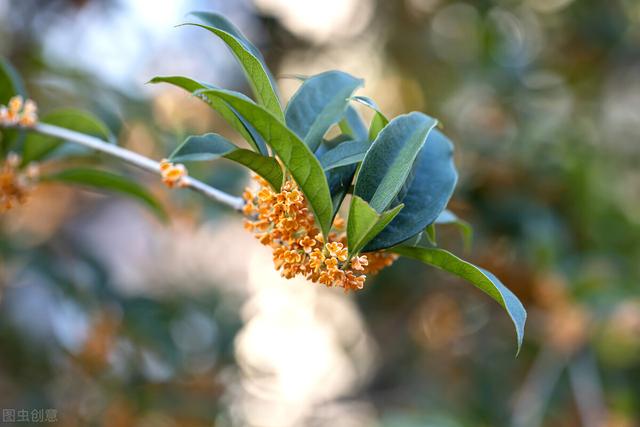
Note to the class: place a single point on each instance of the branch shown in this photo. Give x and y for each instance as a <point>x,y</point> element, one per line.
<point>135,159</point>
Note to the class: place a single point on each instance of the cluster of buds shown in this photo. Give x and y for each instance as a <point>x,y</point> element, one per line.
<point>173,174</point>
<point>14,183</point>
<point>284,222</point>
<point>19,112</point>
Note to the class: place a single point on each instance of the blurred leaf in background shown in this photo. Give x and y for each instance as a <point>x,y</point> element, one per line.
<point>114,319</point>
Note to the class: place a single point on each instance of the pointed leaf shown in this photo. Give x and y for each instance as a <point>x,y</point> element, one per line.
<point>229,114</point>
<point>319,103</point>
<point>37,146</point>
<point>389,161</point>
<point>425,194</point>
<point>482,279</point>
<point>212,146</point>
<point>365,223</point>
<point>249,58</point>
<point>294,154</point>
<point>103,180</point>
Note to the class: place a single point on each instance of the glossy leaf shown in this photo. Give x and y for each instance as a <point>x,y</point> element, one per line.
<point>345,153</point>
<point>229,114</point>
<point>365,223</point>
<point>294,154</point>
<point>212,146</point>
<point>482,279</point>
<point>249,58</point>
<point>102,180</point>
<point>425,194</point>
<point>390,159</point>
<point>319,103</point>
<point>10,84</point>
<point>37,146</point>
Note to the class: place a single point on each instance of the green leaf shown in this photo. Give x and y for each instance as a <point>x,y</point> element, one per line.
<point>482,279</point>
<point>448,217</point>
<point>10,84</point>
<point>103,180</point>
<point>229,114</point>
<point>319,103</point>
<point>37,146</point>
<point>346,153</point>
<point>379,120</point>
<point>425,194</point>
<point>249,58</point>
<point>294,154</point>
<point>390,159</point>
<point>212,146</point>
<point>365,223</point>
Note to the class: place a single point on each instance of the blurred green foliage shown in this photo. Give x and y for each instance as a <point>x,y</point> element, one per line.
<point>542,100</point>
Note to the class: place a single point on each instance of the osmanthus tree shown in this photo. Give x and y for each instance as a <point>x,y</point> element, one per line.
<point>396,175</point>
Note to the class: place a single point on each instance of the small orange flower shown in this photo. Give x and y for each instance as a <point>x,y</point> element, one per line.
<point>307,244</point>
<point>292,257</point>
<point>283,221</point>
<point>359,262</point>
<point>337,249</point>
<point>19,112</point>
<point>15,184</point>
<point>338,223</point>
<point>331,263</point>
<point>173,174</point>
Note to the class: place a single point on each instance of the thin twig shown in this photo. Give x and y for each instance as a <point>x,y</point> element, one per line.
<point>135,159</point>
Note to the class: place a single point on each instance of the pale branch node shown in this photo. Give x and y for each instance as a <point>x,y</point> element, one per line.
<point>135,159</point>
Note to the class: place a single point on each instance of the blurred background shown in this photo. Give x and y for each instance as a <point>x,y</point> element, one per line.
<point>112,318</point>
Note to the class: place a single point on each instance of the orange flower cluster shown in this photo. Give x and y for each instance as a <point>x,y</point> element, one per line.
<point>14,184</point>
<point>284,222</point>
<point>173,174</point>
<point>19,112</point>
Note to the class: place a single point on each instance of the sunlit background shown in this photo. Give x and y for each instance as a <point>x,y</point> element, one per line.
<point>115,319</point>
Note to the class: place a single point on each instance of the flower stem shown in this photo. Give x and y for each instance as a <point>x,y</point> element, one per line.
<point>135,159</point>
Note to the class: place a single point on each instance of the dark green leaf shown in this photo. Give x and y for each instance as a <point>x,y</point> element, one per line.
<point>365,223</point>
<point>482,279</point>
<point>213,146</point>
<point>103,180</point>
<point>249,58</point>
<point>10,85</point>
<point>389,161</point>
<point>346,153</point>
<point>425,194</point>
<point>294,154</point>
<point>229,114</point>
<point>37,146</point>
<point>319,103</point>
